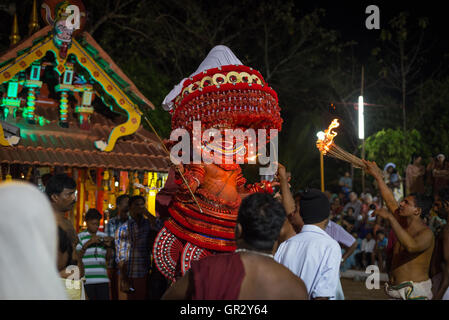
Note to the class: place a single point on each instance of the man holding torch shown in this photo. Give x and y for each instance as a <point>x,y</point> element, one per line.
<point>411,242</point>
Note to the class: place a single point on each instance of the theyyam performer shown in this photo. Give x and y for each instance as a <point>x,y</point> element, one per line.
<point>221,95</point>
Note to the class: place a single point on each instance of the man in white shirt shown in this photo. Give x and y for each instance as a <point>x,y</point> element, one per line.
<point>368,245</point>
<point>312,254</point>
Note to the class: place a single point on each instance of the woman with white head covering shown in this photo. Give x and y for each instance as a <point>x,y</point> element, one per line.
<point>394,181</point>
<point>28,240</point>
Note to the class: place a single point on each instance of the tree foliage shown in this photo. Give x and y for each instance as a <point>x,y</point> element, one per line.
<point>158,43</point>
<point>393,145</point>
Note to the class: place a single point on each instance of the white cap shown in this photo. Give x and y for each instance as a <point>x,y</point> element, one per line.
<point>217,57</point>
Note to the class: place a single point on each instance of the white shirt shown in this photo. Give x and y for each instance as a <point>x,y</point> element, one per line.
<point>339,234</point>
<point>368,246</point>
<point>314,257</point>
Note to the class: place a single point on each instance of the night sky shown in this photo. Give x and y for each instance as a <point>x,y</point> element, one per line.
<point>349,18</point>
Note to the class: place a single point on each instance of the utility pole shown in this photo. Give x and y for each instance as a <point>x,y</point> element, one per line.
<point>363,125</point>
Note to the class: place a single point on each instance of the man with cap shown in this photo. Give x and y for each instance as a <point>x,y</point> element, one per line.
<point>312,254</point>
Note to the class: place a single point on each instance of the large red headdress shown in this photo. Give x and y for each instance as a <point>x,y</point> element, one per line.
<point>224,94</point>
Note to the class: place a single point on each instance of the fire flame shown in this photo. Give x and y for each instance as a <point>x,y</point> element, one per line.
<point>329,135</point>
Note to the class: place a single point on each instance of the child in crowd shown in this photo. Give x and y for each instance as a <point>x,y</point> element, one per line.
<point>95,248</point>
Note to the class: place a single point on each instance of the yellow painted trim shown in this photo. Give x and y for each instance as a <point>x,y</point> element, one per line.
<point>134,115</point>
<point>22,62</point>
<point>3,140</point>
<point>129,127</point>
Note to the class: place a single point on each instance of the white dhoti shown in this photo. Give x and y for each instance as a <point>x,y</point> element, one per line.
<point>410,290</point>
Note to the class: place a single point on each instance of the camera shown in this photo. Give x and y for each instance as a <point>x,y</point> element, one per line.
<point>372,206</point>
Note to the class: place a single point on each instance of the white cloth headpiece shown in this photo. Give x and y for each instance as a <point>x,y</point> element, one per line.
<point>389,164</point>
<point>217,57</point>
<point>28,245</point>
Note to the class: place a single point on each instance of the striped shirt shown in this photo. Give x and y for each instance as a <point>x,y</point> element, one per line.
<point>94,259</point>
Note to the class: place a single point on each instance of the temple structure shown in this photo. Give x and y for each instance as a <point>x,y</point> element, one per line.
<point>67,107</point>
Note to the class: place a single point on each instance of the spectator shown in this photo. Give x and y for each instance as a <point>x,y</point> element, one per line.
<point>367,250</point>
<point>440,259</point>
<point>348,223</point>
<point>355,204</point>
<point>439,173</point>
<point>351,261</point>
<point>312,254</point>
<point>393,181</point>
<point>110,230</point>
<point>343,198</point>
<point>345,183</point>
<point>414,176</point>
<point>95,248</point>
<point>367,201</point>
<point>380,249</point>
<point>61,190</point>
<point>134,242</point>
<point>336,207</point>
<point>28,245</point>
<point>249,273</point>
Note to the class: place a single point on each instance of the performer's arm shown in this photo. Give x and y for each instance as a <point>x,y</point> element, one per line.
<point>412,244</point>
<point>387,194</point>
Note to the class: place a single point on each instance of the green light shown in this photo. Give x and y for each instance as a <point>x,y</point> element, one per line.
<point>13,87</point>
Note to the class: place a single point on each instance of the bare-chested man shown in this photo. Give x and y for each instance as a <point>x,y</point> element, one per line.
<point>61,190</point>
<point>250,273</point>
<point>412,245</point>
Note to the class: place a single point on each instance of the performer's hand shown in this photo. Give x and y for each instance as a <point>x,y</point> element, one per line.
<point>372,169</point>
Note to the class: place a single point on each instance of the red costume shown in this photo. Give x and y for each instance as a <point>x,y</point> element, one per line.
<point>222,96</point>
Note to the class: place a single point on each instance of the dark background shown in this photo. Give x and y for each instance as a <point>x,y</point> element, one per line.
<point>157,43</point>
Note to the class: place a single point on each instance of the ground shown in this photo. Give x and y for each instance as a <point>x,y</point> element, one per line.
<point>356,290</point>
